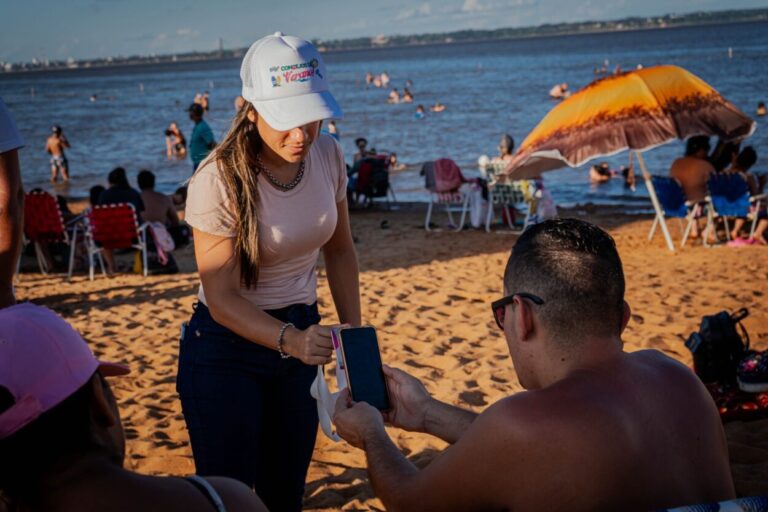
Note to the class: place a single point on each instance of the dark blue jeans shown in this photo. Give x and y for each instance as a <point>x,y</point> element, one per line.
<point>249,413</point>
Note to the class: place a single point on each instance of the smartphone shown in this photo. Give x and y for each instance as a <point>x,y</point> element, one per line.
<point>362,366</point>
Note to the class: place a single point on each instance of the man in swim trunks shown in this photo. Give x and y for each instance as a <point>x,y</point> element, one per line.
<point>55,147</point>
<point>598,429</point>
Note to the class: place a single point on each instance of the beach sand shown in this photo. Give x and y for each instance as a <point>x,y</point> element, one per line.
<point>428,295</point>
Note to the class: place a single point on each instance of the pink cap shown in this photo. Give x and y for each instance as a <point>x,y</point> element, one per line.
<point>43,360</point>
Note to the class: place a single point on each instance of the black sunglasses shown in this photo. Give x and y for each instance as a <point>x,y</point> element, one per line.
<point>500,306</point>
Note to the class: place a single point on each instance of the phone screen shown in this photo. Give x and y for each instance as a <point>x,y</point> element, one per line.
<point>363,367</point>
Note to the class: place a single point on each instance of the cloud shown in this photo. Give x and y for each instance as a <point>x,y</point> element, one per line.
<point>187,32</point>
<point>421,11</point>
<point>474,6</point>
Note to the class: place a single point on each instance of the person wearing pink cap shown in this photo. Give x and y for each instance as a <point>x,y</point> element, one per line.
<point>61,442</point>
<point>264,204</point>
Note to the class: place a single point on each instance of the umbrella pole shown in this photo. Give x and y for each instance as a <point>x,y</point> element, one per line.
<point>655,201</point>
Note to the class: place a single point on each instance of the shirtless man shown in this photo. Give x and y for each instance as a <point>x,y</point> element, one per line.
<point>598,428</point>
<point>55,147</point>
<point>693,171</point>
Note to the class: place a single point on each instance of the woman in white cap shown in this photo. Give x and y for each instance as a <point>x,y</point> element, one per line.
<point>263,204</point>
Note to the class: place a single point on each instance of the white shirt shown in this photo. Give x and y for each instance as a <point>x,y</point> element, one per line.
<point>10,138</point>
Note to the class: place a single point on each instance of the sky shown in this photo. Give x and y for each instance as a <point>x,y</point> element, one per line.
<point>82,29</point>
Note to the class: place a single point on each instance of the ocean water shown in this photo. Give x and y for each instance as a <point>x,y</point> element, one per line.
<point>489,89</point>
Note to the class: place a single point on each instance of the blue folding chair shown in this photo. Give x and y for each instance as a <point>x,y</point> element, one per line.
<point>728,197</point>
<point>750,504</point>
<point>674,205</point>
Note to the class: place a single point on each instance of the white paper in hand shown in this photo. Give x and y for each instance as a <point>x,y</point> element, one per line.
<point>326,401</point>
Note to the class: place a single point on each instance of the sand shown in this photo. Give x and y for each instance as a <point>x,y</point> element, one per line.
<point>428,295</point>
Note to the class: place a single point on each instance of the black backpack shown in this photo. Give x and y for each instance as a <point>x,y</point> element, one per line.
<point>718,347</point>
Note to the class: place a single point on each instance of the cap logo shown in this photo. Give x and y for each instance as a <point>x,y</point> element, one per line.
<point>290,73</point>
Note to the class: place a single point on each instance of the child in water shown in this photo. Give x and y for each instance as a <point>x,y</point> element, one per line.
<point>419,114</point>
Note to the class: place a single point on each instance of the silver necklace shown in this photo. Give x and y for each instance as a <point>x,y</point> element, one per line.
<point>279,184</point>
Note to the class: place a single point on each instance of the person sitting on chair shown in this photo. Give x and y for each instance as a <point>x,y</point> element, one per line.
<point>692,171</point>
<point>741,166</point>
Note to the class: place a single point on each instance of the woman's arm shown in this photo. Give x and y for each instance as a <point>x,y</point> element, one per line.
<point>220,275</point>
<point>342,269</point>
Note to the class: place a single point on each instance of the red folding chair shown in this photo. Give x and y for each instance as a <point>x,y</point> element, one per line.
<point>114,226</point>
<point>44,224</point>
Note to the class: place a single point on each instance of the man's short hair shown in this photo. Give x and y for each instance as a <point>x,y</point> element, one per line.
<point>196,109</point>
<point>146,180</point>
<point>696,143</point>
<point>746,158</point>
<point>117,177</point>
<point>574,266</point>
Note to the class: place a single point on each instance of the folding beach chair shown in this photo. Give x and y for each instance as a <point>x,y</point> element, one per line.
<point>675,205</point>
<point>44,224</point>
<point>511,196</point>
<point>373,180</point>
<point>728,197</point>
<point>114,226</point>
<point>448,194</point>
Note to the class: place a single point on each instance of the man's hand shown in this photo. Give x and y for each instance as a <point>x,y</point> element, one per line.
<point>356,421</point>
<point>409,401</point>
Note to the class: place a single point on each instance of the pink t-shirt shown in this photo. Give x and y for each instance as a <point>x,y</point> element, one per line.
<point>293,225</point>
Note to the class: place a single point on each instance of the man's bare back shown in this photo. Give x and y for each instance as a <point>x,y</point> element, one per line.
<point>692,173</point>
<point>56,145</point>
<point>638,430</point>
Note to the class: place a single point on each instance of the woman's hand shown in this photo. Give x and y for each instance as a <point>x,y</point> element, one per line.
<point>312,346</point>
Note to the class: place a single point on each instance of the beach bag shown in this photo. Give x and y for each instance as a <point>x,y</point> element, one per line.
<point>718,346</point>
<point>326,401</point>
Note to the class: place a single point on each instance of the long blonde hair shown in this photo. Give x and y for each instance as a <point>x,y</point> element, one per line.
<point>236,158</point>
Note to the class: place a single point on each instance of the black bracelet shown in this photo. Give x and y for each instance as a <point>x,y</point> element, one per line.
<point>280,340</point>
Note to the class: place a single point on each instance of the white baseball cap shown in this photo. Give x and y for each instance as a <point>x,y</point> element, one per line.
<point>284,79</point>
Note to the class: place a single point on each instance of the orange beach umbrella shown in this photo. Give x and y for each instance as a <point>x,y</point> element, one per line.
<point>637,110</point>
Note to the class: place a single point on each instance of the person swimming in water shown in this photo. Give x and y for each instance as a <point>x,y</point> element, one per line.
<point>600,173</point>
<point>393,164</point>
<point>394,96</point>
<point>437,107</point>
<point>761,110</point>
<point>407,96</point>
<point>175,143</point>
<point>420,113</point>
<point>55,146</point>
<point>559,91</point>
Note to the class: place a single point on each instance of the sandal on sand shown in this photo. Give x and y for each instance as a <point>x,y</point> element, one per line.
<point>741,242</point>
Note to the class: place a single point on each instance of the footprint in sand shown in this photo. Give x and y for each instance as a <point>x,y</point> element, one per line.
<point>475,398</point>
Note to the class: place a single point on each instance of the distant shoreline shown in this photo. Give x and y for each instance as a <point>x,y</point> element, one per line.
<point>232,55</point>
<point>540,36</point>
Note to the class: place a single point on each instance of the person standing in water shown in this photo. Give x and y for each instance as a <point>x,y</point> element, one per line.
<point>55,146</point>
<point>263,205</point>
<point>202,141</point>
